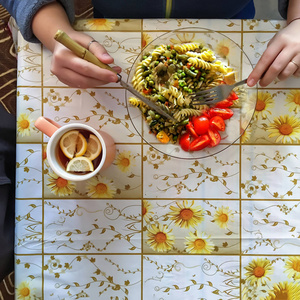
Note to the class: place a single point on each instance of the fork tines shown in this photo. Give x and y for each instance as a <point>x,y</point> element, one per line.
<point>203,97</point>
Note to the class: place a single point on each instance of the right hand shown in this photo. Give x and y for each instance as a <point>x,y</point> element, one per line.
<point>77,72</point>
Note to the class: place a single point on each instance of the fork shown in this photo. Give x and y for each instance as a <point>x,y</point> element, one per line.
<point>214,95</point>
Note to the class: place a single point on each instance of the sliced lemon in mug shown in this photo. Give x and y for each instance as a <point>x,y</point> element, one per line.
<point>73,143</point>
<point>94,147</point>
<point>81,145</point>
<point>68,142</point>
<point>80,164</point>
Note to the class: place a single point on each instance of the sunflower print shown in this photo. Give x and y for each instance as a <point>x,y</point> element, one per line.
<point>223,216</point>
<point>186,214</point>
<point>24,291</point>
<point>284,291</point>
<point>292,266</point>
<point>293,101</point>
<point>285,129</point>
<point>199,243</point>
<point>60,186</point>
<point>125,161</point>
<point>258,271</point>
<point>101,187</point>
<point>24,125</point>
<point>160,238</point>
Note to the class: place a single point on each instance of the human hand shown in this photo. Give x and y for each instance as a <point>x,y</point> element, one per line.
<point>281,59</point>
<point>77,72</point>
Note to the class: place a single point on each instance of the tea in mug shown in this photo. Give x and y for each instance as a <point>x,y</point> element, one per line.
<point>79,151</point>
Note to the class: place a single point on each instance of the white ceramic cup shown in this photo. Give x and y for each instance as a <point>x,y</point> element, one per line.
<point>55,132</point>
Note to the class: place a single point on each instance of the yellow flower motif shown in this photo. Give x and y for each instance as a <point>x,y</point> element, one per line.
<point>185,37</point>
<point>263,104</point>
<point>159,238</point>
<point>146,210</point>
<point>146,39</point>
<point>286,129</point>
<point>24,292</point>
<point>258,271</point>
<point>293,101</point>
<point>246,135</point>
<point>284,291</point>
<point>60,186</point>
<point>223,216</point>
<point>99,24</point>
<point>223,48</point>
<point>292,266</point>
<point>199,243</point>
<point>125,161</point>
<point>185,215</point>
<point>24,125</point>
<point>101,187</point>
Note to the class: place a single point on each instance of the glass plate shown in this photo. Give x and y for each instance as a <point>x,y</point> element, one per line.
<point>226,50</point>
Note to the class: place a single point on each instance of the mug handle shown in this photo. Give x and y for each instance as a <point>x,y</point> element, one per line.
<point>46,125</point>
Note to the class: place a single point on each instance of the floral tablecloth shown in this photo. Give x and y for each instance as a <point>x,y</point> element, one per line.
<point>152,226</point>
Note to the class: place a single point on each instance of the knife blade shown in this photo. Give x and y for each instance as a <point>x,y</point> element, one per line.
<point>84,53</point>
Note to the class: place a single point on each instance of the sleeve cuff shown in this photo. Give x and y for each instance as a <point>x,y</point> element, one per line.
<point>24,20</point>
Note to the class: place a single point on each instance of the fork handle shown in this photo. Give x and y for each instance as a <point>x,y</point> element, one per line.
<point>239,83</point>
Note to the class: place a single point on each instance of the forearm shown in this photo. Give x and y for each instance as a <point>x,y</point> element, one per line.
<point>293,10</point>
<point>47,21</point>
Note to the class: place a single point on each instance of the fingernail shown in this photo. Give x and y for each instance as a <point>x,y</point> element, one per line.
<point>105,55</point>
<point>251,82</point>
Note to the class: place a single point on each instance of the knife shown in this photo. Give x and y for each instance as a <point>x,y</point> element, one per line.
<point>83,53</point>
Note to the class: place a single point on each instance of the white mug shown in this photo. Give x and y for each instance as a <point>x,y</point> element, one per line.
<point>55,132</point>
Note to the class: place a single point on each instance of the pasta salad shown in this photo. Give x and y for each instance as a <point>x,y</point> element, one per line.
<point>168,76</point>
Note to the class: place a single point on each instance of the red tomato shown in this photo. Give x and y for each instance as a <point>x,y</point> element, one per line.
<point>224,113</point>
<point>217,123</point>
<point>233,96</point>
<point>214,137</point>
<point>190,128</point>
<point>201,124</point>
<point>224,103</point>
<point>185,141</point>
<point>200,143</point>
<point>147,91</point>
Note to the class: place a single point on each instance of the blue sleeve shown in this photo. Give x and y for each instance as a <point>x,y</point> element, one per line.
<point>23,12</point>
<point>282,7</point>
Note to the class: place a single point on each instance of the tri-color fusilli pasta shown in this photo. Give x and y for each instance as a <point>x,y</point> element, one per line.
<point>168,76</point>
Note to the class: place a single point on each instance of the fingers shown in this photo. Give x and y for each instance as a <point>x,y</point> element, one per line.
<point>100,52</point>
<point>278,60</point>
<point>292,68</point>
<point>261,70</point>
<point>77,72</point>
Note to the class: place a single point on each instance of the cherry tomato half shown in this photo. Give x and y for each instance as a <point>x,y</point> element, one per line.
<point>214,137</point>
<point>201,124</point>
<point>233,96</point>
<point>185,141</point>
<point>224,113</point>
<point>200,143</point>
<point>224,103</point>
<point>190,128</point>
<point>217,123</point>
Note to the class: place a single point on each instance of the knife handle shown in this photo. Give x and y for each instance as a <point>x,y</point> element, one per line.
<point>80,51</point>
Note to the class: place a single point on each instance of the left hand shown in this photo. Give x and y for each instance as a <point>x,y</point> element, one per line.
<point>281,59</point>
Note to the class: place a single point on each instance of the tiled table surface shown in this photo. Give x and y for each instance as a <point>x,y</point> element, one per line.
<point>93,239</point>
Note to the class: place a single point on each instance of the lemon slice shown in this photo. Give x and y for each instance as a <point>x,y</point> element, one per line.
<point>80,164</point>
<point>81,145</point>
<point>67,143</point>
<point>94,147</point>
<point>73,143</point>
